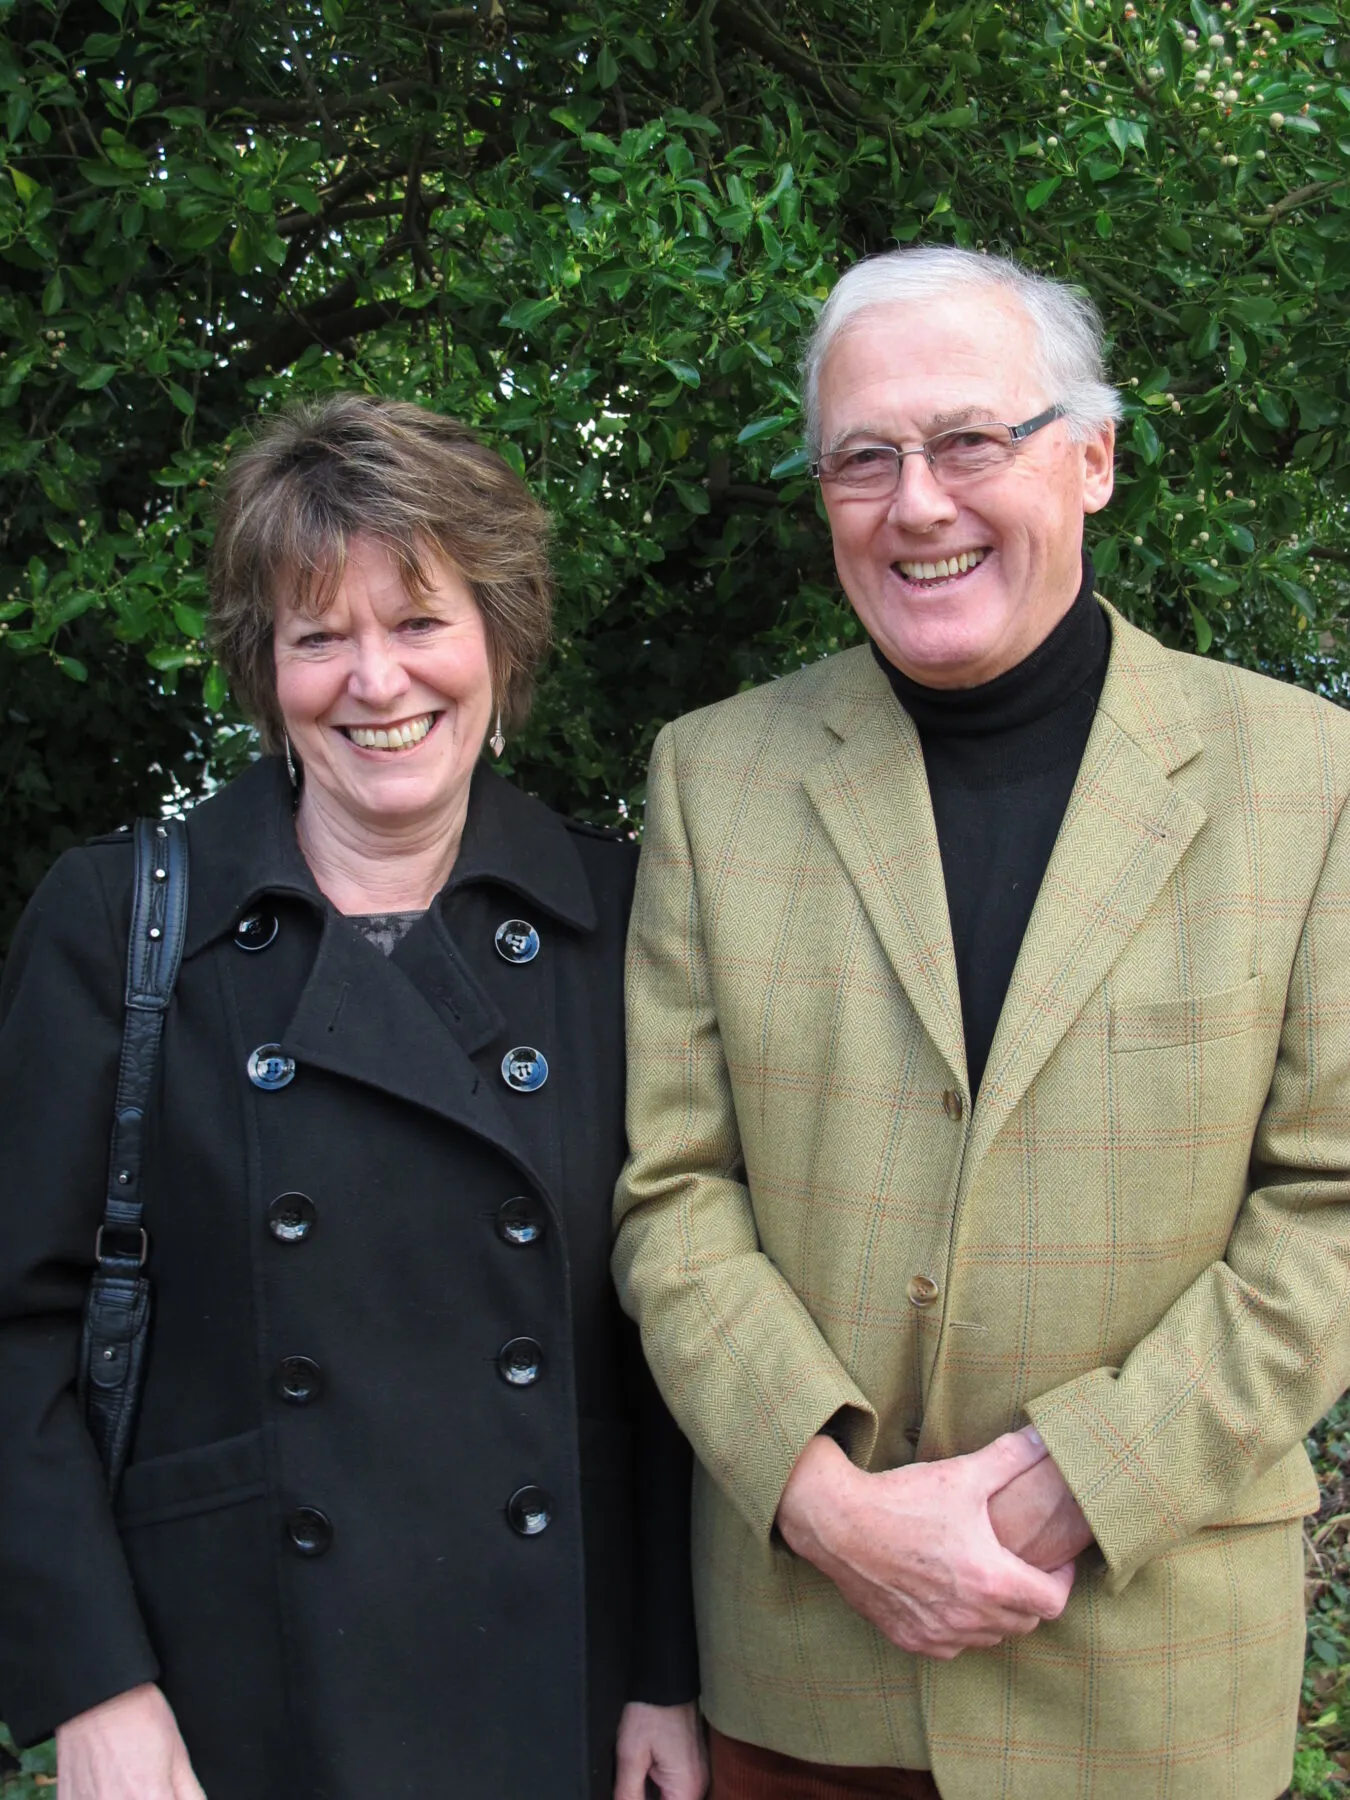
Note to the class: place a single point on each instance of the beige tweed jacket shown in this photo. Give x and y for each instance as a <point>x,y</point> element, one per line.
<point>1139,1237</point>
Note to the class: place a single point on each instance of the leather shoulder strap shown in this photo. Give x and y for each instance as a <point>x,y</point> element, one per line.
<point>154,951</point>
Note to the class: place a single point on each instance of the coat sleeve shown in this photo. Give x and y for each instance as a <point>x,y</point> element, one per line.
<point>741,1363</point>
<point>665,1670</point>
<point>1252,1354</point>
<point>71,1633</point>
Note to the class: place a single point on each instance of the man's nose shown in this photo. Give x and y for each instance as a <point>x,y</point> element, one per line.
<point>378,674</point>
<point>920,502</point>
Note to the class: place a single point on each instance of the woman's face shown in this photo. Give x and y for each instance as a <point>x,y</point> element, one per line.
<point>386,700</point>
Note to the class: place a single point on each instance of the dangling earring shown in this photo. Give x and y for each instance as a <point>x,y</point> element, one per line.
<point>290,764</point>
<point>497,741</point>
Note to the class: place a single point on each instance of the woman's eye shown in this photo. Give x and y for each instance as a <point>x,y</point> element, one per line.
<point>420,624</point>
<point>315,640</point>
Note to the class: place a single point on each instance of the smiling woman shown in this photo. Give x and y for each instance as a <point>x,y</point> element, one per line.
<point>399,1462</point>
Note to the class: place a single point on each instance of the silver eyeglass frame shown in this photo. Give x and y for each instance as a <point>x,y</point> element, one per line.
<point>1016,432</point>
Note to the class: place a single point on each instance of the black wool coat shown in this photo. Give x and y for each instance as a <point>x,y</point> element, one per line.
<point>382,1309</point>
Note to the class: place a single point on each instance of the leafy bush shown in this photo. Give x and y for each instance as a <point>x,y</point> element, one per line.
<point>598,233</point>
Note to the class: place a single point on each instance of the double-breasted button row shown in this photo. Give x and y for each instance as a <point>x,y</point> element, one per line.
<point>524,1067</point>
<point>298,1380</point>
<point>309,1531</point>
<point>521,1221</point>
<point>291,1217</point>
<point>269,1068</point>
<point>256,930</point>
<point>520,1362</point>
<point>530,1511</point>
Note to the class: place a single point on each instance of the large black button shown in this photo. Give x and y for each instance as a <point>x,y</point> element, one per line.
<point>269,1068</point>
<point>255,931</point>
<point>520,1362</point>
<point>297,1379</point>
<point>525,1069</point>
<point>521,1220</point>
<point>309,1531</point>
<point>517,941</point>
<point>530,1511</point>
<point>291,1217</point>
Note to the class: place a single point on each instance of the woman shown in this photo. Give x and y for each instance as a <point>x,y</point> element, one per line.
<point>404,1515</point>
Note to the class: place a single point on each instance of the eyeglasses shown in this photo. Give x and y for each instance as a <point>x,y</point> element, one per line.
<point>872,471</point>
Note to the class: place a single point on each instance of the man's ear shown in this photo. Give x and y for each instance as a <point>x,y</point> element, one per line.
<point>1099,467</point>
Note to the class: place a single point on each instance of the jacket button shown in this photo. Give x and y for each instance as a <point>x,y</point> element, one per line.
<point>297,1379</point>
<point>269,1068</point>
<point>255,931</point>
<point>952,1104</point>
<point>521,1220</point>
<point>530,1511</point>
<point>517,941</point>
<point>520,1362</point>
<point>524,1069</point>
<point>310,1531</point>
<point>922,1290</point>
<point>290,1217</point>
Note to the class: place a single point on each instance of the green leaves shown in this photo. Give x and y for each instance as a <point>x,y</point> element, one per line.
<point>1041,192</point>
<point>606,262</point>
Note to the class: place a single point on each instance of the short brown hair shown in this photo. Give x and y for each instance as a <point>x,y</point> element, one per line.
<point>323,471</point>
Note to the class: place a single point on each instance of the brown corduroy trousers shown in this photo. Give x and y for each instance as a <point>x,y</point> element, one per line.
<point>745,1772</point>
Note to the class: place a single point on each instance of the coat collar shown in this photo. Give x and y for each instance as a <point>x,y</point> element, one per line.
<point>243,846</point>
<point>1125,829</point>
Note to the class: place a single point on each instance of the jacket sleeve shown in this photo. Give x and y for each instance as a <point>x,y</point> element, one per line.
<point>1243,1364</point>
<point>71,1634</point>
<point>665,1671</point>
<point>740,1361</point>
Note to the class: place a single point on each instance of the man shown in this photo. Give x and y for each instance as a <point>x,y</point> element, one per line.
<point>990,1100</point>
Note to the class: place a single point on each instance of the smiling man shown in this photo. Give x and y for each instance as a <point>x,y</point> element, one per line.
<point>988,1219</point>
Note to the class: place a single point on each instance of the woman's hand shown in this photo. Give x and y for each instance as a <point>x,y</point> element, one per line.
<point>664,1743</point>
<point>128,1748</point>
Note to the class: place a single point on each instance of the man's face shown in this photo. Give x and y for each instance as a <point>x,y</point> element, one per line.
<point>899,374</point>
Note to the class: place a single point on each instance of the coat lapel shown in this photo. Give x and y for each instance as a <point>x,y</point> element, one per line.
<point>411,1024</point>
<point>361,1016</point>
<point>1125,830</point>
<point>872,798</point>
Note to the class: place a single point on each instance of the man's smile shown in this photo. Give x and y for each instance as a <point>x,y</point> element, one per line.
<point>941,568</point>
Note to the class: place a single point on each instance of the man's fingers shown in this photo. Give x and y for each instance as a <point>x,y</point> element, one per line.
<point>1006,1458</point>
<point>1031,1590</point>
<point>631,1779</point>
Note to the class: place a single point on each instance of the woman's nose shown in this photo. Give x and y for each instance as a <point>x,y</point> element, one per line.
<point>378,674</point>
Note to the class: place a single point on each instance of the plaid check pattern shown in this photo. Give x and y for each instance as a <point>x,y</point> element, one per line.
<point>1139,1237</point>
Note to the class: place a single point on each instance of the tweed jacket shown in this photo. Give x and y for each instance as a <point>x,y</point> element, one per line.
<point>1138,1236</point>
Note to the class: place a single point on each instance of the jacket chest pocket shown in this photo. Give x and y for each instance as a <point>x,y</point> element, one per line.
<point>1186,1079</point>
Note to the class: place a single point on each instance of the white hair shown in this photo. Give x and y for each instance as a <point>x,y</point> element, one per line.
<point>1066,326</point>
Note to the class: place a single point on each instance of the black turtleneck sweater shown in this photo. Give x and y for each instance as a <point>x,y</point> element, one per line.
<point>1001,760</point>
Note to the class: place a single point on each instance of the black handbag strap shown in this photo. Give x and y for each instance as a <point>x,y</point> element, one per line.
<point>115,1339</point>
<point>154,951</point>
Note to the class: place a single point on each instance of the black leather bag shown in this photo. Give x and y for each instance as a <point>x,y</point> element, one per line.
<point>115,1340</point>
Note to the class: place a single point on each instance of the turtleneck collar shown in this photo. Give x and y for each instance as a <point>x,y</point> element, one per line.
<point>1074,652</point>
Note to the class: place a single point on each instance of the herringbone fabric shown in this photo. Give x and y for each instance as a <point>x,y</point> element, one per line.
<point>1139,1235</point>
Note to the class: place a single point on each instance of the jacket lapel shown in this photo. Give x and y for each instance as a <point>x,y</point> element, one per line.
<point>1125,830</point>
<point>872,798</point>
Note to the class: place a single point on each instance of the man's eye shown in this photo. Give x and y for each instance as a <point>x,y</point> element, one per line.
<point>868,457</point>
